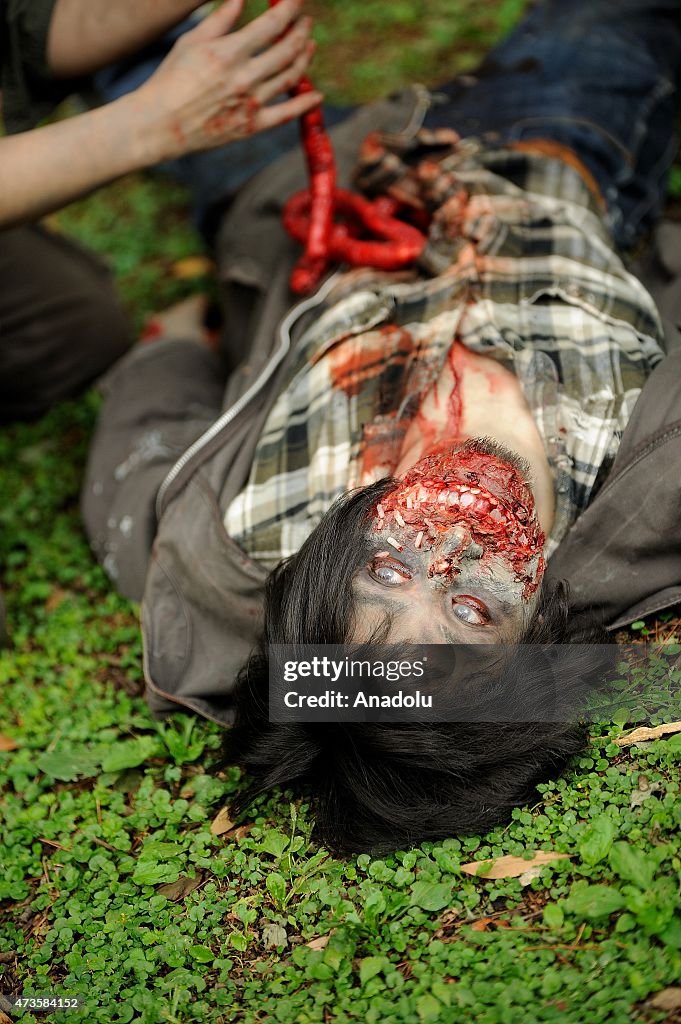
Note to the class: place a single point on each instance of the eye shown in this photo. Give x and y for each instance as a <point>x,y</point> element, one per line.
<point>470,611</point>
<point>391,574</point>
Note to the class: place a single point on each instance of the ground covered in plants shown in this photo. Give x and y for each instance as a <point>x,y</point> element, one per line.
<point>123,880</point>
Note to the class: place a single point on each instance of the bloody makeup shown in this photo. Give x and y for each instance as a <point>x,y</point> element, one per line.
<point>467,502</point>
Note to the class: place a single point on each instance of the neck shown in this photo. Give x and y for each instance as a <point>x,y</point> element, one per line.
<point>489,403</point>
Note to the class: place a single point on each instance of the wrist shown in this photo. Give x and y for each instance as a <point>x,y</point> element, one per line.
<point>144,131</point>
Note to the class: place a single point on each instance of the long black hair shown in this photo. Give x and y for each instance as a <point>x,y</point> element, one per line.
<point>381,786</point>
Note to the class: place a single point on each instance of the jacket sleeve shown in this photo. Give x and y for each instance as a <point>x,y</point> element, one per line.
<point>622,558</point>
<point>29,93</point>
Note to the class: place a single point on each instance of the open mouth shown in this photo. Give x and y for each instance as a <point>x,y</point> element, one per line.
<point>434,509</point>
<point>479,477</point>
<point>462,496</point>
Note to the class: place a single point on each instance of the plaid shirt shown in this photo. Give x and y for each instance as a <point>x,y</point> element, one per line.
<point>519,266</point>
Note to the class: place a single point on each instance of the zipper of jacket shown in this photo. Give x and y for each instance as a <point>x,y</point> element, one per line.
<point>230,414</point>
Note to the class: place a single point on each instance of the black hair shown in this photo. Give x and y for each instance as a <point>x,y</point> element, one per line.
<point>385,785</point>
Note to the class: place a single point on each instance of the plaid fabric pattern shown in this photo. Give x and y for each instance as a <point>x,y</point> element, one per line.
<point>519,267</point>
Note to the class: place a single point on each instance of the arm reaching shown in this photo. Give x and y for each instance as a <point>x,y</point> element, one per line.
<point>214,87</point>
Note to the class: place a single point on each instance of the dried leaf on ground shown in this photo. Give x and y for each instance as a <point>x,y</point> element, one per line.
<point>668,999</point>
<point>182,887</point>
<point>643,792</point>
<point>7,744</point>
<point>274,935</point>
<point>320,942</point>
<point>192,267</point>
<point>222,822</point>
<point>485,924</point>
<point>57,597</point>
<point>239,833</point>
<point>510,867</point>
<point>648,733</point>
<point>529,876</point>
<point>448,923</point>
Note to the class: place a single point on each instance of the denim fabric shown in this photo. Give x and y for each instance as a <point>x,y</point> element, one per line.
<point>599,76</point>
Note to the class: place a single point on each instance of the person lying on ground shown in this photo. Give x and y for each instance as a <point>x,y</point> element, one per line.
<point>427,455</point>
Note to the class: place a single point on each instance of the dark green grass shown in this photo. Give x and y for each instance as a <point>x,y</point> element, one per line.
<point>113,888</point>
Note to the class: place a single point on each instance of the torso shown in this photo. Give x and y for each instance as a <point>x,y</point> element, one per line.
<point>556,342</point>
<point>475,396</point>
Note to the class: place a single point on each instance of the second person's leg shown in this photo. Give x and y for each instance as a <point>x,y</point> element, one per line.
<point>61,323</point>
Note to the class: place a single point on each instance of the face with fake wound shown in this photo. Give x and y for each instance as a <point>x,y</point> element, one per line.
<point>455,550</point>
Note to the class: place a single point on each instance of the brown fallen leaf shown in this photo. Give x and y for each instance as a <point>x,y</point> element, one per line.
<point>182,887</point>
<point>485,924</point>
<point>668,999</point>
<point>4,1019</point>
<point>53,223</point>
<point>448,924</point>
<point>510,867</point>
<point>222,822</point>
<point>320,942</point>
<point>7,744</point>
<point>647,733</point>
<point>239,833</point>
<point>57,597</point>
<point>191,267</point>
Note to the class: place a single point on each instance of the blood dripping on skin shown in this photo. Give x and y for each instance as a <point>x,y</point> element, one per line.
<point>481,493</point>
<point>241,113</point>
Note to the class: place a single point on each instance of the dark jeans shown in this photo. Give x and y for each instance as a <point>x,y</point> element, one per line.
<point>599,76</point>
<point>61,325</point>
<point>61,322</point>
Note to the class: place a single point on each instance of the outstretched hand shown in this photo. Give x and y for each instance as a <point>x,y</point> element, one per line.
<point>216,85</point>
